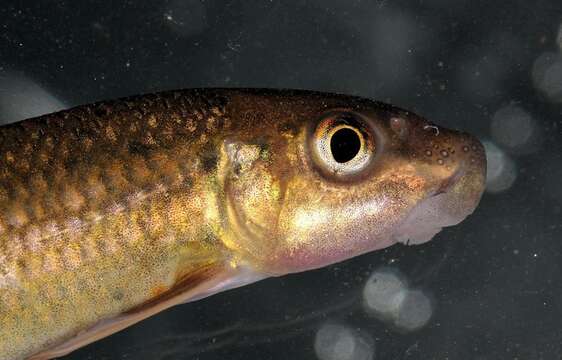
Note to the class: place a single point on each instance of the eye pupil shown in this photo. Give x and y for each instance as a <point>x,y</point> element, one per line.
<point>345,145</point>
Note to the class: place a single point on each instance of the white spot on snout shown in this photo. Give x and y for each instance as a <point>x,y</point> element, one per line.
<point>432,127</point>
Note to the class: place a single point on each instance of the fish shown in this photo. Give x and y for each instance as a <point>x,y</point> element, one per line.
<point>114,211</point>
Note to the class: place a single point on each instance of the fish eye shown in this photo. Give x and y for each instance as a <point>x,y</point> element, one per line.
<point>342,144</point>
<point>345,144</point>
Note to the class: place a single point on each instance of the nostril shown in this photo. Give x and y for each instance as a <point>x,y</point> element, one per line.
<point>475,154</point>
<point>399,126</point>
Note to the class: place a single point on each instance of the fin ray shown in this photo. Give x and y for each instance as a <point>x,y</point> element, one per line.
<point>195,285</point>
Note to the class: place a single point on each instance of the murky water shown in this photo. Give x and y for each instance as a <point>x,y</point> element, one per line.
<point>486,289</point>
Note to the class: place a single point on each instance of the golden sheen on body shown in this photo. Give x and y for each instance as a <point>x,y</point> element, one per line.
<point>114,211</point>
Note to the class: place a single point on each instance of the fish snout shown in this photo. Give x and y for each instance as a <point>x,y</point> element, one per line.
<point>470,168</point>
<point>459,173</point>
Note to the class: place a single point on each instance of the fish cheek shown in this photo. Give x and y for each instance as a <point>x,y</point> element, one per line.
<point>322,223</point>
<point>253,195</point>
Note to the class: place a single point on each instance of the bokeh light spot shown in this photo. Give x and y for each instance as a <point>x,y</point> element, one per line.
<point>22,98</point>
<point>559,38</point>
<point>415,311</point>
<point>515,129</point>
<point>386,295</point>
<point>501,170</point>
<point>339,342</point>
<point>384,292</point>
<point>547,75</point>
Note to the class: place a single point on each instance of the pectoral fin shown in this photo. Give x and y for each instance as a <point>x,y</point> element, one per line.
<point>198,284</point>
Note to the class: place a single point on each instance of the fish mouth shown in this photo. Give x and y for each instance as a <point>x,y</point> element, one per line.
<point>455,198</point>
<point>450,182</point>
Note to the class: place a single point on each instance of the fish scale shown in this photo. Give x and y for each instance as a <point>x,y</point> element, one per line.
<point>83,202</point>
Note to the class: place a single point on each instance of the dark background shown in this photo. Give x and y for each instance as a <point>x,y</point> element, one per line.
<point>494,281</point>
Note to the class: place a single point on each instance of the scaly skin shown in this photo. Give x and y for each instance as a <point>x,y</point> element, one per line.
<point>103,207</point>
<point>106,208</point>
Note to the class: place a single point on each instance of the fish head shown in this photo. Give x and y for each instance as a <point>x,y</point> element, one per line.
<point>349,177</point>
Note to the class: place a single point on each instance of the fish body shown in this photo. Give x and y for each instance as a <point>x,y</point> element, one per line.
<point>114,211</point>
